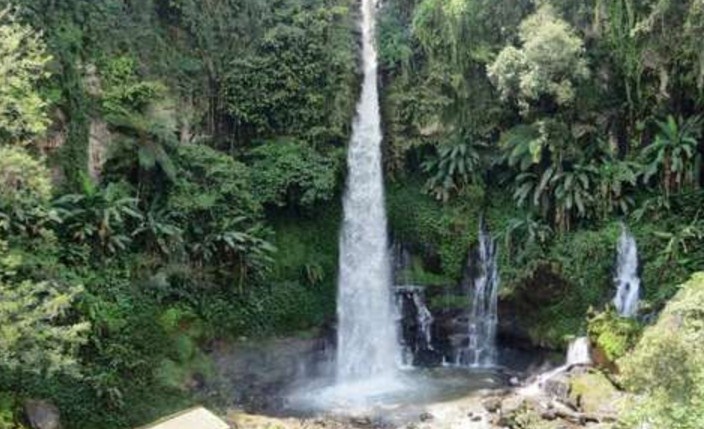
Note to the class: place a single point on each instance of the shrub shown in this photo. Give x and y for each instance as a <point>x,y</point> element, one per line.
<point>288,173</point>
<point>25,189</point>
<point>615,335</point>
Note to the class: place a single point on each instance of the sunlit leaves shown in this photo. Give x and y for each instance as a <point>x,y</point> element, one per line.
<point>549,62</point>
<point>24,65</point>
<point>673,153</point>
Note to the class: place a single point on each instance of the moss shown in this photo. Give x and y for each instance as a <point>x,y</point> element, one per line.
<point>594,393</point>
<point>442,232</point>
<point>667,366</point>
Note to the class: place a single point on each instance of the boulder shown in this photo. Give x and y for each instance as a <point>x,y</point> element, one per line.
<point>594,394</point>
<point>558,388</point>
<point>426,417</point>
<point>42,415</point>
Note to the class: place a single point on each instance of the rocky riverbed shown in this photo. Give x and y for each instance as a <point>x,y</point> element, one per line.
<point>581,397</point>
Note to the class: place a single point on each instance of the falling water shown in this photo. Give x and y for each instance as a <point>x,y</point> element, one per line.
<point>483,318</point>
<point>578,352</point>
<point>425,320</point>
<point>415,323</point>
<point>627,281</point>
<point>367,336</point>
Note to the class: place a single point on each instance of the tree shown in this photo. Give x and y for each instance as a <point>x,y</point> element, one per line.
<point>615,179</point>
<point>458,163</point>
<point>24,60</point>
<point>573,193</point>
<point>293,174</point>
<point>211,202</point>
<point>99,217</point>
<point>140,112</point>
<point>673,153</point>
<point>548,64</point>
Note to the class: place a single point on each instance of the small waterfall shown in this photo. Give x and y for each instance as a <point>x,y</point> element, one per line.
<point>367,345</point>
<point>627,280</point>
<point>578,352</point>
<point>425,320</point>
<point>415,323</point>
<point>483,317</point>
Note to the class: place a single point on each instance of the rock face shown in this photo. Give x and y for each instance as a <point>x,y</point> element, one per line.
<point>42,415</point>
<point>99,139</point>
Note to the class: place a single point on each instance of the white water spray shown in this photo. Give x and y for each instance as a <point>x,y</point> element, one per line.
<point>627,280</point>
<point>367,337</point>
<point>578,352</point>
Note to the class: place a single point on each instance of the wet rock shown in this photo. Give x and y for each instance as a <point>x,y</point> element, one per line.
<point>363,421</point>
<point>558,388</point>
<point>42,415</point>
<point>492,405</point>
<point>426,417</point>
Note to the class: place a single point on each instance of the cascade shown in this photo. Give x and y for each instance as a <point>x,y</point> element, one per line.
<point>578,352</point>
<point>367,334</point>
<point>627,280</point>
<point>415,323</point>
<point>483,317</point>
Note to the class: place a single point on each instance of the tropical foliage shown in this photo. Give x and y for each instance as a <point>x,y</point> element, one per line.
<point>170,173</point>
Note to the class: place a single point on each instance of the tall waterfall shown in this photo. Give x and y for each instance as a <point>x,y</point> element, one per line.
<point>367,335</point>
<point>483,317</point>
<point>627,280</point>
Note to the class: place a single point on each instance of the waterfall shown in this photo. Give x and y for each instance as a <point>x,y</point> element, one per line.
<point>483,318</point>
<point>424,319</point>
<point>578,352</point>
<point>626,280</point>
<point>367,335</point>
<point>415,323</point>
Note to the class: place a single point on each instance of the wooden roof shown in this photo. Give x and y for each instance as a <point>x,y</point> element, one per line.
<point>194,418</point>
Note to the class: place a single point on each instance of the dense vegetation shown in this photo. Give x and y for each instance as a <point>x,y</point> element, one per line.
<point>170,171</point>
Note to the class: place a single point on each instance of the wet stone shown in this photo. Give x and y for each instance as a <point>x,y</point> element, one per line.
<point>425,417</point>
